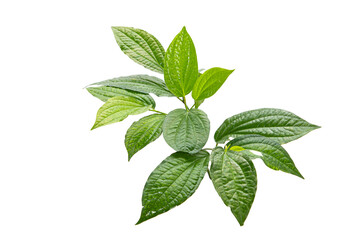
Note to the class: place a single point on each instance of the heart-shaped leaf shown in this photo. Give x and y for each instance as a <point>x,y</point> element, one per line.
<point>186,131</point>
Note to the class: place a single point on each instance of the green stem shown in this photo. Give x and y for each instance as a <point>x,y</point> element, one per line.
<point>153,110</point>
<point>184,101</point>
<point>208,173</point>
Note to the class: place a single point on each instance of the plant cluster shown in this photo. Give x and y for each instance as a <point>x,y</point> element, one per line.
<point>246,136</point>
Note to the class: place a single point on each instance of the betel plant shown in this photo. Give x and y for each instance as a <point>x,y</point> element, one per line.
<point>254,134</point>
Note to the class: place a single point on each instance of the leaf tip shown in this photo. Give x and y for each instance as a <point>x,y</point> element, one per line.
<point>94,127</point>
<point>141,220</point>
<point>298,174</point>
<point>240,220</point>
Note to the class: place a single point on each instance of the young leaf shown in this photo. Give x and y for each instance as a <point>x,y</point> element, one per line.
<point>172,182</point>
<point>141,47</point>
<point>209,82</point>
<point>143,132</point>
<point>234,178</point>
<point>273,154</point>
<point>279,125</point>
<point>249,154</point>
<point>105,93</point>
<point>118,108</point>
<point>198,103</point>
<point>181,67</point>
<point>186,131</point>
<point>139,83</point>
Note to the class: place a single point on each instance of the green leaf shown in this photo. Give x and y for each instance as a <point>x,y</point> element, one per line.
<point>172,182</point>
<point>186,131</point>
<point>273,154</point>
<point>236,148</point>
<point>234,178</point>
<point>105,93</point>
<point>141,47</point>
<point>248,153</point>
<point>139,83</point>
<point>181,67</point>
<point>118,108</point>
<point>209,82</point>
<point>198,103</point>
<point>279,125</point>
<point>143,132</point>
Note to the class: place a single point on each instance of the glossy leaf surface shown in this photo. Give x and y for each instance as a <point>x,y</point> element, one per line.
<point>209,82</point>
<point>118,108</point>
<point>186,131</point>
<point>234,178</point>
<point>273,154</point>
<point>139,83</point>
<point>279,125</point>
<point>104,93</point>
<point>181,67</point>
<point>142,47</point>
<point>172,182</point>
<point>143,132</point>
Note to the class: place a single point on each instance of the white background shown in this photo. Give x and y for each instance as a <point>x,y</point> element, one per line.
<point>58,180</point>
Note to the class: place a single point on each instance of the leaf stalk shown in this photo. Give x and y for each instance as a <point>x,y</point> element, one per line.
<point>184,101</point>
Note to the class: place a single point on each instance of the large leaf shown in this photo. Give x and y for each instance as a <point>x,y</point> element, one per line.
<point>279,125</point>
<point>172,182</point>
<point>143,132</point>
<point>104,93</point>
<point>141,47</point>
<point>209,82</point>
<point>181,68</point>
<point>273,154</point>
<point>186,131</point>
<point>118,108</point>
<point>139,83</point>
<point>234,178</point>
